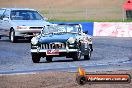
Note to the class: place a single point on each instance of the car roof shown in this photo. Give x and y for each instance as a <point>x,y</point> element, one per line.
<point>18,9</point>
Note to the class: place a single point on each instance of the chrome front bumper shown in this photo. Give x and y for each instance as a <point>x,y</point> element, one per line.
<point>60,50</point>
<point>27,32</point>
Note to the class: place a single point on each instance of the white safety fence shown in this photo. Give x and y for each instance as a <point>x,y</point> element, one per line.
<point>114,29</point>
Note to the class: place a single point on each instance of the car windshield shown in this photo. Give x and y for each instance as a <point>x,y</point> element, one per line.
<point>61,29</point>
<point>25,15</point>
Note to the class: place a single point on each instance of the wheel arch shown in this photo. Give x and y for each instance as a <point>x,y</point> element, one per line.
<point>13,39</point>
<point>10,31</point>
<point>11,28</point>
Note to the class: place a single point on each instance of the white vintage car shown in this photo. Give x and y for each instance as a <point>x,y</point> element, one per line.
<point>21,22</point>
<point>59,40</point>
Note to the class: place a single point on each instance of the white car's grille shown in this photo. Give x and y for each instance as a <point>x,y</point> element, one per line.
<point>53,46</point>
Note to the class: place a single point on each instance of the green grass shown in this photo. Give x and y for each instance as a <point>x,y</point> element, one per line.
<point>83,20</point>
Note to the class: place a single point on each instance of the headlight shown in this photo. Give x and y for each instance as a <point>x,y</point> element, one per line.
<point>71,40</point>
<point>90,39</point>
<point>34,40</point>
<point>21,27</point>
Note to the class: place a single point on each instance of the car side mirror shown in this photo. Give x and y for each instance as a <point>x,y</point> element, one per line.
<point>86,32</point>
<point>6,19</point>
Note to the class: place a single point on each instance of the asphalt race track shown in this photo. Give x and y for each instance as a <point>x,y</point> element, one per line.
<point>109,54</point>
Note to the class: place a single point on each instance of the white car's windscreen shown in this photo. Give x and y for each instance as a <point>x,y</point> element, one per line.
<point>25,15</point>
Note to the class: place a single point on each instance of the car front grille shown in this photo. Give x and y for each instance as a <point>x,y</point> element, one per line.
<point>53,46</point>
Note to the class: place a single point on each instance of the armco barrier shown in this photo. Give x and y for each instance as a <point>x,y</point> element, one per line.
<point>115,29</point>
<point>85,26</point>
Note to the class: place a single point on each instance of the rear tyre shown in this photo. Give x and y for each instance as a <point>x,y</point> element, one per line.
<point>49,59</point>
<point>35,58</point>
<point>12,36</point>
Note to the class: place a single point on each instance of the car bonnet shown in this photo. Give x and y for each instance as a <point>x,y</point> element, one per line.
<point>56,38</point>
<point>30,22</point>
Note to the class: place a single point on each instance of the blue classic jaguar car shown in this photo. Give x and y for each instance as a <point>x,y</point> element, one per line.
<point>57,40</point>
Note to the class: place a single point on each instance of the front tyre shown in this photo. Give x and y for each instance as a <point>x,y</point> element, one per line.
<point>49,58</point>
<point>35,58</point>
<point>87,57</point>
<point>77,56</point>
<point>12,36</point>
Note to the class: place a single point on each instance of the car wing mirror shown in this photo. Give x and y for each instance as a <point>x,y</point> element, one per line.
<point>86,32</point>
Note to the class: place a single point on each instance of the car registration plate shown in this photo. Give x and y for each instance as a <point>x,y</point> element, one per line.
<point>52,52</point>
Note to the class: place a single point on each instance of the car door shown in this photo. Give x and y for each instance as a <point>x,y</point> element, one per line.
<point>1,18</point>
<point>6,23</point>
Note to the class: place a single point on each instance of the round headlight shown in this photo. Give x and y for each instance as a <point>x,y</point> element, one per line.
<point>71,40</point>
<point>34,40</point>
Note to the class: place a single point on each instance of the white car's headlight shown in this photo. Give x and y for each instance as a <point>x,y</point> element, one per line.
<point>34,40</point>
<point>71,40</point>
<point>21,27</point>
